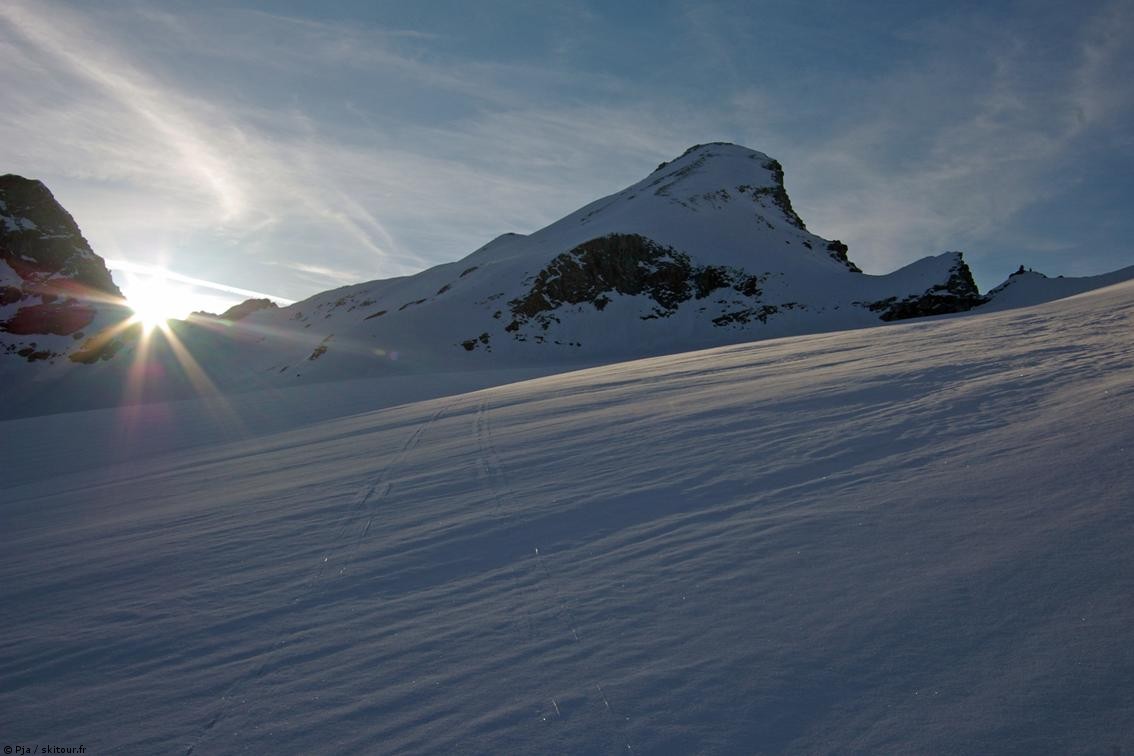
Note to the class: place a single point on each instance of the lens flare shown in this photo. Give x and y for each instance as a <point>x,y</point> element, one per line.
<point>155,300</point>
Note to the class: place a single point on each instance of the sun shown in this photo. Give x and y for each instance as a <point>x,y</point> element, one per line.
<point>155,300</point>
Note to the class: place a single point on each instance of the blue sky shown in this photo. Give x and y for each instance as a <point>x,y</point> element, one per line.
<point>287,148</point>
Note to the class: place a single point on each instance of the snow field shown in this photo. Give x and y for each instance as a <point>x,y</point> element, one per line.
<point>914,538</point>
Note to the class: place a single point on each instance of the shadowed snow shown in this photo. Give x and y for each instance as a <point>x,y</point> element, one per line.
<point>912,539</point>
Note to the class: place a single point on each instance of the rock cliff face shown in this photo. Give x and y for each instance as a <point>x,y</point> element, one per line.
<point>958,293</point>
<point>54,289</point>
<point>626,264</point>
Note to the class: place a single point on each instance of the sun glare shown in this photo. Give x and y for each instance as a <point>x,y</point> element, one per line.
<point>155,300</point>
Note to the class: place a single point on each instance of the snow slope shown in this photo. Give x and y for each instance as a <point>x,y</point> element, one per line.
<point>1025,288</point>
<point>911,539</point>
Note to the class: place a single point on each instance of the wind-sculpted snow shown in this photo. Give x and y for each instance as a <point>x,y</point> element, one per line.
<point>912,539</point>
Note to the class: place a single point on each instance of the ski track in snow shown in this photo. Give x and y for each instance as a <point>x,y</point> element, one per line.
<point>491,469</point>
<point>915,539</point>
<point>370,497</point>
<point>488,461</point>
<point>357,518</point>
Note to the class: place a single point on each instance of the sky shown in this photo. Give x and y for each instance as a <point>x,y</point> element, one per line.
<point>287,148</point>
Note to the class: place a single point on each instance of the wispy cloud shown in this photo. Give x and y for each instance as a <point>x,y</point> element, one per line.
<point>286,153</point>
<point>280,182</point>
<point>940,155</point>
<point>1102,79</point>
<point>323,274</point>
<point>128,266</point>
<point>65,42</point>
<point>128,125</point>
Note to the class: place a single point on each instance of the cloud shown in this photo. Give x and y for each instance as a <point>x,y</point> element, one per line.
<point>128,266</point>
<point>72,49</point>
<point>380,193</point>
<point>283,153</point>
<point>122,124</point>
<point>948,152</point>
<point>322,273</point>
<point>1102,79</point>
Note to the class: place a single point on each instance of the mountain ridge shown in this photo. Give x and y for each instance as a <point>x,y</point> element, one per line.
<point>715,219</point>
<point>704,251</point>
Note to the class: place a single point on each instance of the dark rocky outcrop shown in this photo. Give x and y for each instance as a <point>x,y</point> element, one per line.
<point>959,293</point>
<point>627,264</point>
<point>321,349</point>
<point>49,271</point>
<point>482,340</point>
<point>61,318</point>
<point>41,242</point>
<point>839,251</point>
<point>779,194</point>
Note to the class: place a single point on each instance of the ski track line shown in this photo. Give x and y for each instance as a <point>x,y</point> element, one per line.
<point>365,502</point>
<point>490,467</point>
<point>372,494</point>
<point>363,506</point>
<point>488,461</point>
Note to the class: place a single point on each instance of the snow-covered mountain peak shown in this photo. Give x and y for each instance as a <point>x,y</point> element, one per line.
<point>723,203</point>
<point>715,164</point>
<point>716,172</point>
